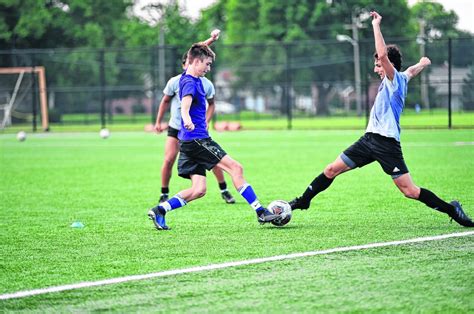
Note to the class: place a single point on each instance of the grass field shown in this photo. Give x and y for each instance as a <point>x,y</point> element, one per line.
<point>51,180</point>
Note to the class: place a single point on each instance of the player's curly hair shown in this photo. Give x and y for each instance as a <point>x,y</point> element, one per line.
<point>394,55</point>
<point>201,51</point>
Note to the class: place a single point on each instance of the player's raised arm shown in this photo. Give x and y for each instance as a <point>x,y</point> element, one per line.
<point>415,69</point>
<point>380,46</point>
<point>214,37</point>
<point>185,107</point>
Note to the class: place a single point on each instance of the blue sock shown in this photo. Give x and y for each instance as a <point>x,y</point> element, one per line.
<point>247,192</point>
<point>173,203</point>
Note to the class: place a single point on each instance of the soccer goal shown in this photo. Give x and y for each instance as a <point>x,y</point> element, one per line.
<point>20,90</point>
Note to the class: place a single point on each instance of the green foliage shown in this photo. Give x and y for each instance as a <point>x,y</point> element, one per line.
<point>268,43</point>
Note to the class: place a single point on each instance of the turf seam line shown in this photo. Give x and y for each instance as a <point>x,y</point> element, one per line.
<point>88,284</point>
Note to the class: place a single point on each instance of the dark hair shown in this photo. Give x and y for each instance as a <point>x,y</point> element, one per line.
<point>184,58</point>
<point>201,51</point>
<point>394,55</point>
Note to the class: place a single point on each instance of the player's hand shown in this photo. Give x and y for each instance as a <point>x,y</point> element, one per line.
<point>424,61</point>
<point>215,34</point>
<point>376,18</point>
<point>158,127</point>
<point>188,125</point>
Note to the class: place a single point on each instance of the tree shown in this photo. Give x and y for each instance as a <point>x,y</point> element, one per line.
<point>300,45</point>
<point>439,26</point>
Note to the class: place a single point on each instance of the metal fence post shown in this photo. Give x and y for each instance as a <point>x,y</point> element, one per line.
<point>33,92</point>
<point>450,44</point>
<point>154,88</point>
<point>288,86</point>
<point>102,88</point>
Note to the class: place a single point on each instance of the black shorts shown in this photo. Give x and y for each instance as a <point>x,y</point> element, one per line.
<point>374,147</point>
<point>197,156</point>
<point>172,132</point>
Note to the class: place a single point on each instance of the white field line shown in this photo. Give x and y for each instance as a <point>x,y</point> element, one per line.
<point>87,284</point>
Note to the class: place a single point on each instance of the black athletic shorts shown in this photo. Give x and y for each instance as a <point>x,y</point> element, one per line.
<point>172,132</point>
<point>197,156</point>
<point>374,147</point>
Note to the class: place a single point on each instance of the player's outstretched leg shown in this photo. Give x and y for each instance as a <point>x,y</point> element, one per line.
<point>263,214</point>
<point>235,170</point>
<point>453,209</point>
<point>459,215</point>
<point>323,181</point>
<point>319,184</point>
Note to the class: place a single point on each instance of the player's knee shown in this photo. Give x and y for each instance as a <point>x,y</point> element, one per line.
<point>330,172</point>
<point>237,169</point>
<point>199,192</point>
<point>410,193</point>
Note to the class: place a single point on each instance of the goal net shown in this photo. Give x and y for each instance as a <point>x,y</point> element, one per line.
<point>22,93</point>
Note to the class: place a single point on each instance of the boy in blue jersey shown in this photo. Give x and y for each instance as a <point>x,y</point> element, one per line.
<point>198,152</point>
<point>171,99</point>
<point>381,141</point>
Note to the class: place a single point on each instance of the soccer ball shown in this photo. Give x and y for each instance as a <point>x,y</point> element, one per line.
<point>104,133</point>
<point>281,208</point>
<point>21,136</point>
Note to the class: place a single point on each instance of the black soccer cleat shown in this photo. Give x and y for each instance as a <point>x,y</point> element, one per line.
<point>227,197</point>
<point>298,203</point>
<point>265,216</point>
<point>163,198</point>
<point>460,216</point>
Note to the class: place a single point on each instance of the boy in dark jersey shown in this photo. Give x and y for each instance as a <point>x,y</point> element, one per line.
<point>381,141</point>
<point>198,152</point>
<point>171,100</point>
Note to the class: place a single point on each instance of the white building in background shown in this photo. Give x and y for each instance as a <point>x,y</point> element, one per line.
<point>438,79</point>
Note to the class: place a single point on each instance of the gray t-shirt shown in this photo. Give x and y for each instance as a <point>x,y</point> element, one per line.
<point>388,106</point>
<point>172,90</point>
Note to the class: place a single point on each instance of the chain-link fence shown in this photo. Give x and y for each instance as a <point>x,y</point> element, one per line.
<point>305,85</point>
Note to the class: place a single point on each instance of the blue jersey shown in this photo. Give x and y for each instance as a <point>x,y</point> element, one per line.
<point>388,106</point>
<point>192,86</point>
<point>172,90</point>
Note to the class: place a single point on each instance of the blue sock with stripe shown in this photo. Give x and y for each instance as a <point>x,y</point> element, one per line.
<point>247,192</point>
<point>175,202</point>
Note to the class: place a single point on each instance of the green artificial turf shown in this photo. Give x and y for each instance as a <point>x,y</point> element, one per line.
<point>51,180</point>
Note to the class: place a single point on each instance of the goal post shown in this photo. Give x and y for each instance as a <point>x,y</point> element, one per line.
<point>41,77</point>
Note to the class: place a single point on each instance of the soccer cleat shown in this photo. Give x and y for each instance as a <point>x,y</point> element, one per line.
<point>158,218</point>
<point>227,197</point>
<point>163,198</point>
<point>297,203</point>
<point>265,216</point>
<point>460,216</point>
